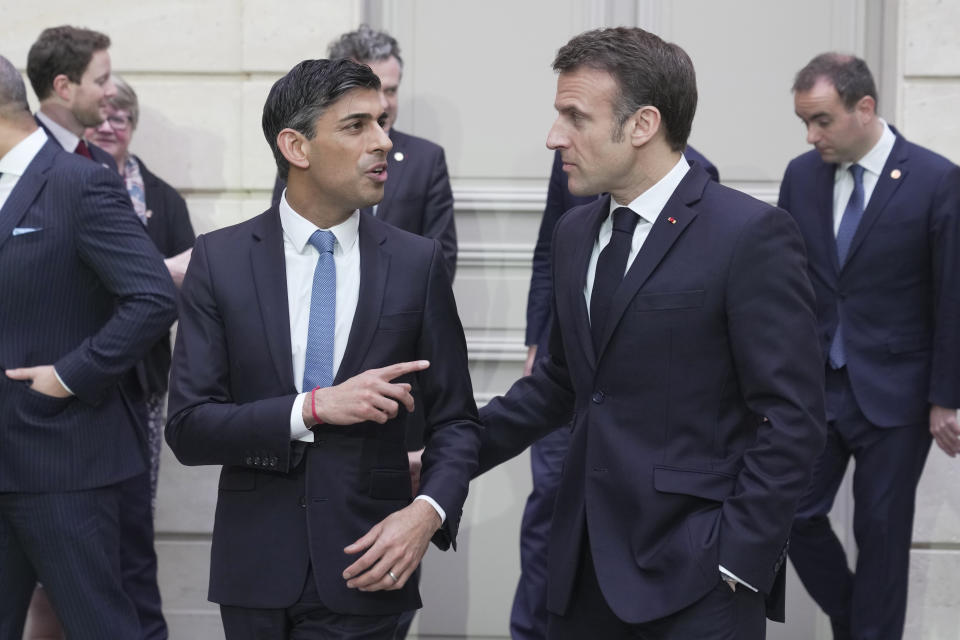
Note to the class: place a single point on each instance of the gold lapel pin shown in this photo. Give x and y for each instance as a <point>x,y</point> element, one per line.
<point>895,174</point>
<point>398,156</point>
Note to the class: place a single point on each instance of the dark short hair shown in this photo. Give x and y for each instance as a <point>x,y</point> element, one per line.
<point>849,75</point>
<point>13,95</point>
<point>365,45</point>
<point>297,99</point>
<point>648,72</point>
<point>65,50</point>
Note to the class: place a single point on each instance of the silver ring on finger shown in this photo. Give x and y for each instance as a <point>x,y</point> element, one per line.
<point>392,575</point>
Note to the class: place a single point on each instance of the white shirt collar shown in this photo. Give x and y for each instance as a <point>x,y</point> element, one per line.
<point>16,161</point>
<point>874,159</point>
<point>67,139</point>
<point>651,202</point>
<point>298,229</point>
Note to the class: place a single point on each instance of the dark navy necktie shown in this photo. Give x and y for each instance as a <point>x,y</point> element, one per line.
<point>318,364</point>
<point>611,266</point>
<point>852,215</point>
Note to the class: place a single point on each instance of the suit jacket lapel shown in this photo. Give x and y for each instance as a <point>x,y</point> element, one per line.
<point>886,187</point>
<point>374,265</point>
<point>581,262</point>
<point>825,179</point>
<point>26,190</point>
<point>270,282</point>
<point>395,171</point>
<point>669,225</point>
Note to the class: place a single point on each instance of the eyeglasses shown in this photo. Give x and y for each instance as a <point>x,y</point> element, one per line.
<point>119,123</point>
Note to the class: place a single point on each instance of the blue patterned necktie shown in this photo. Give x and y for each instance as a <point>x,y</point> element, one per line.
<point>318,366</point>
<point>852,215</point>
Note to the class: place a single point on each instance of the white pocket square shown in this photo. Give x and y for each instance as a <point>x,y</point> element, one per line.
<point>19,231</point>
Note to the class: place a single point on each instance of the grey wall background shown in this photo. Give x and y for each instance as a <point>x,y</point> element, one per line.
<point>478,81</point>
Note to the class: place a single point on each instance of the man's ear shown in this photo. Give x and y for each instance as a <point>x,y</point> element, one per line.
<point>295,148</point>
<point>643,125</point>
<point>866,109</point>
<point>63,87</point>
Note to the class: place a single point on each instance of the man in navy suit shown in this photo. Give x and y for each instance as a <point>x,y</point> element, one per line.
<point>69,69</point>
<point>528,617</point>
<point>300,333</point>
<point>682,348</point>
<point>85,294</point>
<point>881,220</point>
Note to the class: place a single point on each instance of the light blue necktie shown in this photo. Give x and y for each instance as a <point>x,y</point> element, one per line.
<point>318,367</point>
<point>852,215</point>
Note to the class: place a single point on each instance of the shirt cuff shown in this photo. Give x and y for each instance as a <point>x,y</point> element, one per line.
<point>433,503</point>
<point>299,430</point>
<point>62,383</point>
<point>729,575</point>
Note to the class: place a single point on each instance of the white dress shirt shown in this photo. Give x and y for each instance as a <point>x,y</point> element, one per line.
<point>300,258</point>
<point>872,162</point>
<point>14,164</point>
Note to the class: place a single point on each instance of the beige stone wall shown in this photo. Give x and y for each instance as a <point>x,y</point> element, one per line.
<point>928,115</point>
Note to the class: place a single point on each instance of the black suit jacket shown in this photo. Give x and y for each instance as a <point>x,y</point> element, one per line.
<point>86,291</point>
<point>670,463</point>
<point>168,225</point>
<point>559,201</point>
<point>232,390</point>
<point>899,291</point>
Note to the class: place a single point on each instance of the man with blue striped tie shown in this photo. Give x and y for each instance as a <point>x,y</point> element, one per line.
<point>301,332</point>
<point>880,217</point>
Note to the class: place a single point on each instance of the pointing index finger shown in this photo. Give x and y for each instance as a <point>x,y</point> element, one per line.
<point>402,368</point>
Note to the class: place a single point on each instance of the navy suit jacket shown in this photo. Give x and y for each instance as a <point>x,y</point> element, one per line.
<point>899,291</point>
<point>671,465</point>
<point>559,201</point>
<point>232,390</point>
<point>417,196</point>
<point>86,291</point>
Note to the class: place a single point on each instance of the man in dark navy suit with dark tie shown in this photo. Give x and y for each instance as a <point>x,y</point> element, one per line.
<point>69,69</point>
<point>301,331</point>
<point>881,220</point>
<point>85,295</point>
<point>682,357</point>
<point>528,616</point>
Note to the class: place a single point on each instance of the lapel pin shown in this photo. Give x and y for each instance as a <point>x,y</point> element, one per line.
<point>398,156</point>
<point>895,174</point>
<point>672,220</point>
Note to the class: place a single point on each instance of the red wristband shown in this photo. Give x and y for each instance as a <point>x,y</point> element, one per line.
<point>313,406</point>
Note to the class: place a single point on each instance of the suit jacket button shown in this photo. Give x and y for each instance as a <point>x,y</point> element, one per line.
<point>303,502</point>
<point>597,397</point>
<point>273,462</point>
<point>256,460</point>
<point>249,460</point>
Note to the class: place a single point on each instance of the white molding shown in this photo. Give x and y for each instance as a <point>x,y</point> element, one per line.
<point>499,198</point>
<point>501,254</point>
<point>484,348</point>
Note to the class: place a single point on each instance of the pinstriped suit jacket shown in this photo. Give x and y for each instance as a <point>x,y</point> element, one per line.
<point>83,288</point>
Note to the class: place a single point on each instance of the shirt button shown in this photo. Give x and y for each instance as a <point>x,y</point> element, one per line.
<point>598,397</point>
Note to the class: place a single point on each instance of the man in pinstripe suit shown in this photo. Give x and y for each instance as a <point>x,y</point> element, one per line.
<point>85,294</point>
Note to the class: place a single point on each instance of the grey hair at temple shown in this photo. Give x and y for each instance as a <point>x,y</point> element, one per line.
<point>13,92</point>
<point>366,45</point>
